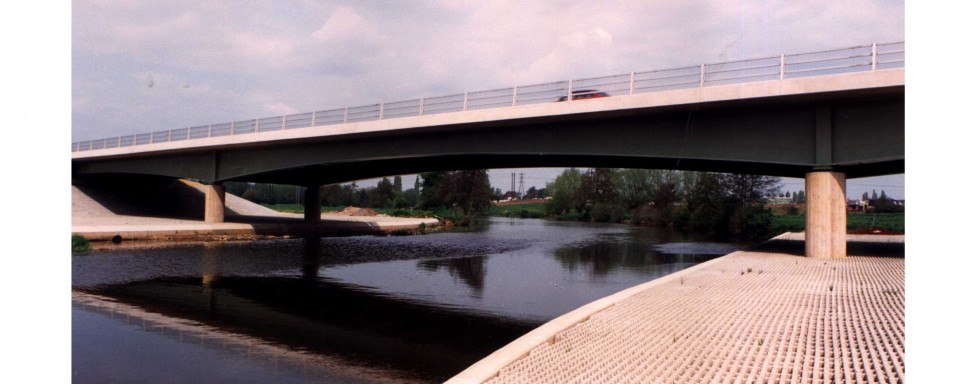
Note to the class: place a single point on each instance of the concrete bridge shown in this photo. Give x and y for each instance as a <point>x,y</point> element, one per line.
<point>824,116</point>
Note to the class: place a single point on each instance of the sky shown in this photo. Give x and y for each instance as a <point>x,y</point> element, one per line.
<point>149,66</point>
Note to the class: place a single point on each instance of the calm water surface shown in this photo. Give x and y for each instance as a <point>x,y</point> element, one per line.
<point>352,309</point>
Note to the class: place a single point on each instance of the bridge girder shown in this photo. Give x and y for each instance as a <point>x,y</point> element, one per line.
<point>858,133</point>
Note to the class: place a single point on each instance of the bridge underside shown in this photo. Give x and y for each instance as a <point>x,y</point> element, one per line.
<point>325,174</point>
<point>859,137</point>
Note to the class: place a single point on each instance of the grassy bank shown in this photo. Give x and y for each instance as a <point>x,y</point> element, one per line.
<point>531,210</point>
<point>856,221</point>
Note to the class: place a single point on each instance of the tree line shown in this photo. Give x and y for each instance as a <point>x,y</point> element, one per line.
<point>881,203</point>
<point>714,203</point>
<point>717,204</point>
<point>464,192</point>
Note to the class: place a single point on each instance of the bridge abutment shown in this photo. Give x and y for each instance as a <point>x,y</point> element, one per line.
<point>826,221</point>
<point>216,198</point>
<point>311,205</point>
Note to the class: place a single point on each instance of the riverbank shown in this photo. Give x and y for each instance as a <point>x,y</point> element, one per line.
<point>100,215</point>
<point>857,222</point>
<point>760,315</point>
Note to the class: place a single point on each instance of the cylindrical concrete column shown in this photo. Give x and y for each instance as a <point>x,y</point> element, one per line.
<point>311,205</point>
<point>826,233</point>
<point>216,198</point>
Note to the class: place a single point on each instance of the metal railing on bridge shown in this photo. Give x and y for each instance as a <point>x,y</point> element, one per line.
<point>787,66</point>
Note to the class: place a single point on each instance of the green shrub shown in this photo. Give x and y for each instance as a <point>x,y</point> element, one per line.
<point>680,217</point>
<point>80,244</point>
<point>533,210</point>
<point>708,219</point>
<point>607,213</point>
<point>751,222</point>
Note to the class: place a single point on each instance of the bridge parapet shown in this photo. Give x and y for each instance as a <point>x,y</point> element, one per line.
<point>786,66</point>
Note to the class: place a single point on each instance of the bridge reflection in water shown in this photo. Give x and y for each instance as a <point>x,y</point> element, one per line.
<point>311,313</point>
<point>420,307</point>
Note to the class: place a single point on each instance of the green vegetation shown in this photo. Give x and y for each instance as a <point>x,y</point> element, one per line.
<point>454,196</point>
<point>718,205</point>
<point>892,221</point>
<point>856,221</point>
<point>529,210</point>
<point>788,223</point>
<point>80,244</point>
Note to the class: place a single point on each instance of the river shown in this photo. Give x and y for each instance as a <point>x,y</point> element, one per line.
<point>349,309</point>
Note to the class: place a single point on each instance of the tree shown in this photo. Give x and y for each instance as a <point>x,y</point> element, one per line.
<point>467,190</point>
<point>431,194</point>
<point>750,220</point>
<point>597,195</point>
<point>363,198</point>
<point>751,189</point>
<point>409,198</point>
<point>663,198</point>
<point>636,187</point>
<point>596,186</point>
<point>397,185</point>
<point>561,191</point>
<point>383,195</point>
<point>886,205</point>
<point>335,195</point>
<point>497,194</point>
<point>709,204</point>
<point>531,193</point>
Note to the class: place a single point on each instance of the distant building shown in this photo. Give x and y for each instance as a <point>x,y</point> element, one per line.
<point>509,196</point>
<point>868,204</point>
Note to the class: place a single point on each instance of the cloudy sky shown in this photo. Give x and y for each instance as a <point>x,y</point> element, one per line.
<point>148,66</point>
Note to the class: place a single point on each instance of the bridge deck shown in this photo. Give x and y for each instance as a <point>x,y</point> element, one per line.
<point>764,315</point>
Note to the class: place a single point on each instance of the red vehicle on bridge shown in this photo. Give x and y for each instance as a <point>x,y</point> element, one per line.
<point>585,94</point>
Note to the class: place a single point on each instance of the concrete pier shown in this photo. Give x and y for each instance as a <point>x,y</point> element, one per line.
<point>311,205</point>
<point>826,219</point>
<point>216,199</point>
<point>764,315</point>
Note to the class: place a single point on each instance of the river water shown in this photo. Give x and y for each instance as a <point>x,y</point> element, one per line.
<point>350,309</point>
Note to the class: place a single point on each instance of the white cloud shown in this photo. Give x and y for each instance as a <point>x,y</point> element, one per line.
<point>345,24</point>
<point>280,109</point>
<point>244,60</point>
